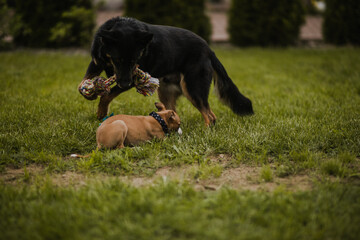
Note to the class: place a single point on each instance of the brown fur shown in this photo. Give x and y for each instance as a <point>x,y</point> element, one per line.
<point>125,130</point>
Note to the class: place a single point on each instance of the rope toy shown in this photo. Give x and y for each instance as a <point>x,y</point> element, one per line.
<point>144,84</point>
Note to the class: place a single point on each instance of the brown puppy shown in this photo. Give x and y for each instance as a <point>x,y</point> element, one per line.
<point>125,130</point>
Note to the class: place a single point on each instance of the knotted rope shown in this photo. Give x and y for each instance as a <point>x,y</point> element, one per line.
<point>144,84</point>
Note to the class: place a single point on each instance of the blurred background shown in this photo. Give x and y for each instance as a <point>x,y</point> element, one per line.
<point>72,23</point>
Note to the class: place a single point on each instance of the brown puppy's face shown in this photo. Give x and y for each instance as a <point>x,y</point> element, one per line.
<point>171,118</point>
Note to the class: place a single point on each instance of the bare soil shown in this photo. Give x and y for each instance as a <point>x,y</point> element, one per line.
<point>242,177</point>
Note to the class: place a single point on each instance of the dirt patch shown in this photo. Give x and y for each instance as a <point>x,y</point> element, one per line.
<point>248,178</point>
<point>16,176</point>
<point>34,173</point>
<point>69,179</point>
<point>243,177</point>
<point>222,159</point>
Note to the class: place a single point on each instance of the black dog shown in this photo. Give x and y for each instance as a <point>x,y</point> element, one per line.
<point>182,61</point>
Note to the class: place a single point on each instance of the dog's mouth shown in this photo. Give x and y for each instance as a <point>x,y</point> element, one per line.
<point>125,84</point>
<point>126,81</point>
<point>176,129</point>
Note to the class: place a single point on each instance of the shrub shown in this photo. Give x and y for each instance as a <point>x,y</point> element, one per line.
<point>265,22</point>
<point>342,22</point>
<point>5,15</point>
<point>42,23</point>
<point>188,14</point>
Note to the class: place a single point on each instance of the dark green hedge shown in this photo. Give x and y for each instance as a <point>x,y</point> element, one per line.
<point>188,14</point>
<point>265,22</point>
<point>48,23</point>
<point>342,22</point>
<point>5,15</point>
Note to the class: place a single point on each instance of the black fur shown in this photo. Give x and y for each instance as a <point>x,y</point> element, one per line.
<point>166,53</point>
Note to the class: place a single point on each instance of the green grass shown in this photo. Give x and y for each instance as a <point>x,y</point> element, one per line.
<point>306,111</point>
<point>266,174</point>
<point>112,210</point>
<point>306,121</point>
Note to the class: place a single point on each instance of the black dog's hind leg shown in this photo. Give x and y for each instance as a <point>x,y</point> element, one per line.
<point>195,85</point>
<point>169,91</point>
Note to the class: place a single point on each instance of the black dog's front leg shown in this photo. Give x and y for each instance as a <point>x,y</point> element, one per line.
<point>106,99</point>
<point>93,70</point>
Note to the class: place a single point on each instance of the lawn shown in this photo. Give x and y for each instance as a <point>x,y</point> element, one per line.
<point>290,171</point>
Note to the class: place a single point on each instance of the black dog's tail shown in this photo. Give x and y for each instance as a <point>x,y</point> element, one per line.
<point>227,90</point>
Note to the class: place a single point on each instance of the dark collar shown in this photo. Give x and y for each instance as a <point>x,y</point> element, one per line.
<point>161,121</point>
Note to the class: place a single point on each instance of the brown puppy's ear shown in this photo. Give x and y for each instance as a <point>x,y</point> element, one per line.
<point>170,115</point>
<point>160,106</point>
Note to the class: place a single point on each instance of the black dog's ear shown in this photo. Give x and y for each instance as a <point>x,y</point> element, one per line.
<point>144,37</point>
<point>109,35</point>
<point>160,106</point>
